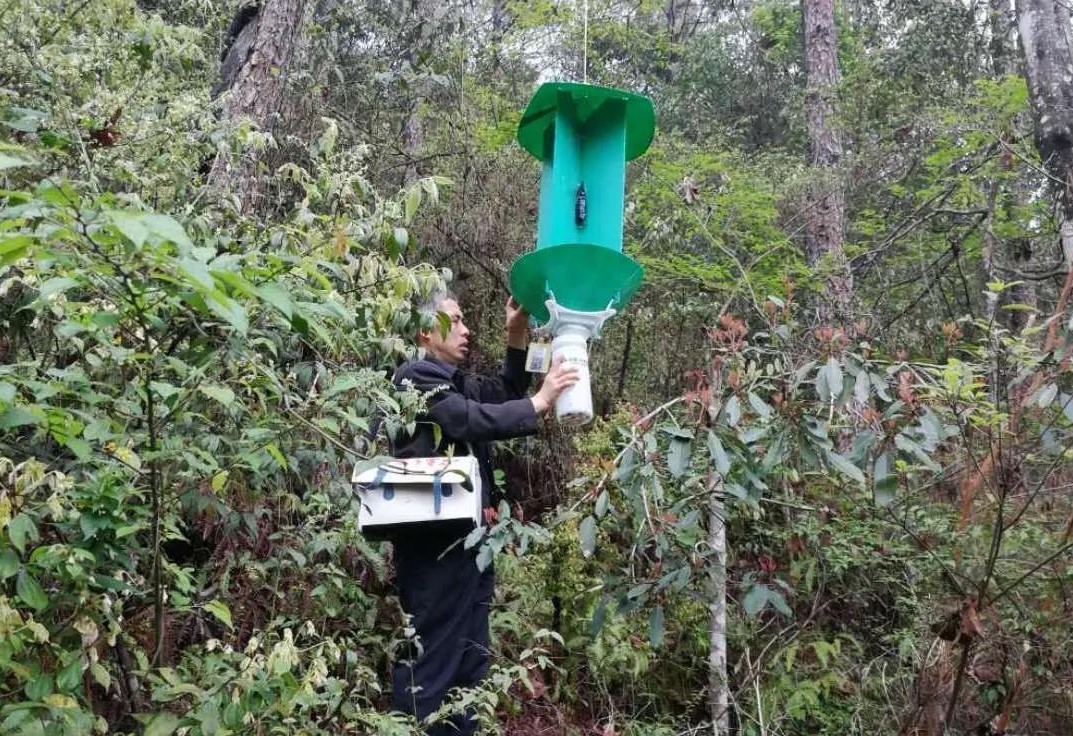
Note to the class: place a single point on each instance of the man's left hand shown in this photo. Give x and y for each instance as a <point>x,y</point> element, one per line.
<point>517,324</point>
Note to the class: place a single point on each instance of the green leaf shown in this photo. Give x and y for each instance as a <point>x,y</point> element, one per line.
<point>885,482</point>
<point>678,457</point>
<point>718,454</point>
<point>70,677</point>
<point>8,161</point>
<point>21,528</point>
<point>277,297</point>
<point>55,286</point>
<point>168,228</point>
<point>221,394</point>
<point>832,373</point>
<point>29,592</point>
<point>18,416</point>
<point>587,534</point>
<point>163,724</point>
<point>130,226</point>
<point>40,687</point>
<point>100,675</point>
<point>655,627</point>
<point>759,406</point>
<point>9,564</point>
<point>273,450</point>
<point>755,599</point>
<point>845,467</point>
<point>14,248</point>
<point>221,612</point>
<point>7,392</point>
<point>474,537</point>
<point>413,201</point>
<point>602,502</point>
<point>219,481</point>
<point>732,411</point>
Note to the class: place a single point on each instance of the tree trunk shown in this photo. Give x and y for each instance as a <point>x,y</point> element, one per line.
<point>261,45</point>
<point>1044,27</point>
<point>826,206</point>
<point>718,683</point>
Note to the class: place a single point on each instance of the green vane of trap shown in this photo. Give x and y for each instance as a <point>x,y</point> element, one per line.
<point>584,135</point>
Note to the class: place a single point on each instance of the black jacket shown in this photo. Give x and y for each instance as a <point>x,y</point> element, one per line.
<point>471,411</point>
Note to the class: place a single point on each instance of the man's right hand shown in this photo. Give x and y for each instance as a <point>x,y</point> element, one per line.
<point>561,377</point>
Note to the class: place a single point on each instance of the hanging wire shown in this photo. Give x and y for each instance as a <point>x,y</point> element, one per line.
<point>585,43</point>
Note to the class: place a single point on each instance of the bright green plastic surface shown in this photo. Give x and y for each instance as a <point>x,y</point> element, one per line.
<point>639,119</point>
<point>583,277</point>
<point>583,135</point>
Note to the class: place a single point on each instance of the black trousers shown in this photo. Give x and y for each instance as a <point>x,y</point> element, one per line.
<point>448,599</point>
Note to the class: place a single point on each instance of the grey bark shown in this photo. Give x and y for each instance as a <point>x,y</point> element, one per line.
<point>826,206</point>
<point>1044,27</point>
<point>253,75</point>
<point>718,684</point>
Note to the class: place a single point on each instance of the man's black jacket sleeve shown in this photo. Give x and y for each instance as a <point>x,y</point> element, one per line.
<point>488,410</point>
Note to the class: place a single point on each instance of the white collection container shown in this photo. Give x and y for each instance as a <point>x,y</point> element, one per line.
<point>419,495</point>
<point>572,330</point>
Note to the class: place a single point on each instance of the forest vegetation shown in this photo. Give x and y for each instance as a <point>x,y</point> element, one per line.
<point>827,488</point>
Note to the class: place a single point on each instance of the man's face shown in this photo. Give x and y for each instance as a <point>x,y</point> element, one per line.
<point>452,347</point>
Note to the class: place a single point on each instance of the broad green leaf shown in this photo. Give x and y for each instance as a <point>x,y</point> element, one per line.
<point>655,627</point>
<point>55,286</point>
<point>70,677</point>
<point>718,454</point>
<point>100,675</point>
<point>274,451</point>
<point>845,467</point>
<point>833,374</point>
<point>587,535</point>
<point>168,228</point>
<point>602,502</point>
<point>221,612</point>
<point>9,564</point>
<point>7,392</point>
<point>40,687</point>
<point>755,599</point>
<point>7,161</point>
<point>413,201</point>
<point>277,297</point>
<point>20,529</point>
<point>130,225</point>
<point>221,394</point>
<point>474,537</point>
<point>885,482</point>
<point>678,457</point>
<point>219,481</point>
<point>29,592</point>
<point>761,407</point>
<point>732,411</point>
<point>162,724</point>
<point>18,416</point>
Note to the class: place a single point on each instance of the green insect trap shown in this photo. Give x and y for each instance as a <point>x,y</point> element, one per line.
<point>578,277</point>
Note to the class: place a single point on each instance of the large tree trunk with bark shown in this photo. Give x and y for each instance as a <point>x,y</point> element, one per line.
<point>261,45</point>
<point>1045,32</point>
<point>827,202</point>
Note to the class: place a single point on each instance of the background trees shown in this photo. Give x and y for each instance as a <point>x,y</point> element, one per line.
<point>206,271</point>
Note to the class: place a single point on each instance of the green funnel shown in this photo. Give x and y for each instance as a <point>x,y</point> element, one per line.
<point>584,135</point>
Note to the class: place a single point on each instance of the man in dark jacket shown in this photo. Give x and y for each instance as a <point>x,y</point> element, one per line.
<point>440,586</point>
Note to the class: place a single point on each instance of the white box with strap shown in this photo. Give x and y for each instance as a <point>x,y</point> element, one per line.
<point>399,497</point>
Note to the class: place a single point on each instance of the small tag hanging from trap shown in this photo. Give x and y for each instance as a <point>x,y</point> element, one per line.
<point>423,494</point>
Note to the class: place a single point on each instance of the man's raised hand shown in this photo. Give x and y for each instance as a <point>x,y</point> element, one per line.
<point>517,324</point>
<point>561,377</point>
